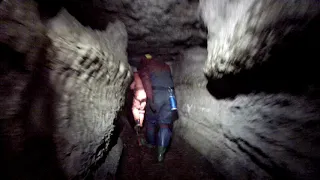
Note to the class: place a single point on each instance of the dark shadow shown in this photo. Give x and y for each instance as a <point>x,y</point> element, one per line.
<point>204,44</point>
<point>292,67</point>
<point>10,60</point>
<point>126,110</point>
<point>175,115</point>
<point>88,13</point>
<point>49,8</point>
<point>27,147</point>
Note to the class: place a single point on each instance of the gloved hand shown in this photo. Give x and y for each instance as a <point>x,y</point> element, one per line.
<point>137,122</point>
<point>137,128</point>
<point>152,106</point>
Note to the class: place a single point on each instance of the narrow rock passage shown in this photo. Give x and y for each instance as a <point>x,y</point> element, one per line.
<point>181,162</point>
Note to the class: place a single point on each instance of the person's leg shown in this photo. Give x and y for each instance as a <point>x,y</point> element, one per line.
<point>164,137</point>
<point>164,133</point>
<point>151,133</point>
<point>151,125</point>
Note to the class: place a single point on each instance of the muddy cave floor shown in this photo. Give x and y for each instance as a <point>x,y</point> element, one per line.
<point>181,161</point>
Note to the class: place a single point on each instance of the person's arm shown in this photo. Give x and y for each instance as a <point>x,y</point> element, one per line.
<point>145,78</point>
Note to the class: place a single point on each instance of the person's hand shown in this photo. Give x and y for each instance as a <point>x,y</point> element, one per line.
<point>152,106</point>
<point>137,128</point>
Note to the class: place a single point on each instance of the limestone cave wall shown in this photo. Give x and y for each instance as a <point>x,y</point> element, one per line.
<point>251,136</point>
<point>90,72</point>
<point>62,85</point>
<point>254,111</point>
<point>246,81</point>
<point>161,28</point>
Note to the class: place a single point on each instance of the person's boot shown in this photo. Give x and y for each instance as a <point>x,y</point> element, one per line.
<point>137,129</point>
<point>141,139</point>
<point>164,136</point>
<point>144,142</point>
<point>161,152</point>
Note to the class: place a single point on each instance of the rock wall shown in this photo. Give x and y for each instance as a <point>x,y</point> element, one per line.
<point>252,136</point>
<point>90,73</point>
<point>62,86</point>
<point>256,113</point>
<point>242,34</point>
<point>162,28</point>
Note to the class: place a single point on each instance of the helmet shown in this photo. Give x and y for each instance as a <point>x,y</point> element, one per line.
<point>148,56</point>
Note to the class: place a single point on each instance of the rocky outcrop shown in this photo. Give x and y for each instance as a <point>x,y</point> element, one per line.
<point>258,114</point>
<point>90,73</point>
<point>162,28</point>
<point>245,33</point>
<point>251,136</point>
<point>61,88</point>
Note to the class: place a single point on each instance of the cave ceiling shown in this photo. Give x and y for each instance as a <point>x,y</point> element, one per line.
<point>163,28</point>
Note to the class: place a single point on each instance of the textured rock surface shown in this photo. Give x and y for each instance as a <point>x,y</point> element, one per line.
<point>57,110</point>
<point>242,34</point>
<point>253,136</point>
<point>26,119</point>
<point>162,28</point>
<point>61,87</point>
<point>90,73</point>
<point>110,165</point>
<point>159,27</point>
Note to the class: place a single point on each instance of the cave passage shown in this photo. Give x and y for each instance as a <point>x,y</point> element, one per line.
<point>181,162</point>
<point>245,75</point>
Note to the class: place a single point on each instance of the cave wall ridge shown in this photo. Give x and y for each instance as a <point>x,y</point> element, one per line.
<point>61,87</point>
<point>90,73</point>
<point>250,136</point>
